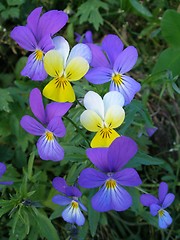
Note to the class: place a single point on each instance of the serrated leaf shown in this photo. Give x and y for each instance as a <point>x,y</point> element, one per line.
<point>140,8</point>
<point>15,2</point>
<point>5,99</point>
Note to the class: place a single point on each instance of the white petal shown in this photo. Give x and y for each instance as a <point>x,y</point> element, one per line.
<point>113,98</point>
<point>91,121</point>
<point>62,46</point>
<point>114,116</point>
<point>80,50</point>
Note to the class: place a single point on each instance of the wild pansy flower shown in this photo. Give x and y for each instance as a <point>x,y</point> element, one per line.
<point>2,171</point>
<point>157,205</point>
<point>70,195</point>
<point>65,69</point>
<point>85,38</point>
<point>51,125</point>
<point>36,37</point>
<point>111,196</point>
<point>110,63</point>
<point>102,116</point>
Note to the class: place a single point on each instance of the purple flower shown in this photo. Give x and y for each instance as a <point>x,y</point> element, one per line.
<point>150,130</point>
<point>112,196</point>
<point>157,205</point>
<point>36,37</point>
<point>113,65</point>
<point>51,125</point>
<point>2,171</point>
<point>86,38</point>
<point>70,195</point>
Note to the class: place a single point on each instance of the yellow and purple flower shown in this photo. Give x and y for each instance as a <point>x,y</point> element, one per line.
<point>157,205</point>
<point>102,116</point>
<point>36,37</point>
<point>51,125</point>
<point>110,161</point>
<point>69,196</point>
<point>2,171</point>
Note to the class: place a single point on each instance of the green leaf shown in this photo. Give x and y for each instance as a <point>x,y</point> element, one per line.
<point>5,99</point>
<point>140,8</point>
<point>170,26</point>
<point>15,2</point>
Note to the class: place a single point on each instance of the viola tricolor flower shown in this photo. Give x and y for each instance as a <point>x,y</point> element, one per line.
<point>51,125</point>
<point>111,196</point>
<point>157,205</point>
<point>65,69</point>
<point>2,171</point>
<point>70,195</point>
<point>102,116</point>
<point>86,38</point>
<point>113,65</point>
<point>36,37</point>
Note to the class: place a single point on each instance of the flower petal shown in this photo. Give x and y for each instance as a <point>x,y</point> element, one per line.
<point>165,220</point>
<point>98,156</point>
<point>162,192</point>
<point>62,46</point>
<point>148,199</point>
<point>61,200</point>
<point>128,177</point>
<point>80,50</point>
<point>91,178</point>
<point>120,152</point>
<point>33,19</point>
<point>53,63</point>
<point>46,44</point>
<point>126,60</point>
<point>24,37</point>
<point>113,98</point>
<point>32,126</point>
<point>99,75</point>
<point>59,184</point>
<point>94,102</point>
<point>56,126</point>
<point>73,215</point>
<point>7,183</point>
<point>76,69</point>
<point>114,116</point>
<point>73,191</point>
<point>113,46</point>
<point>2,169</point>
<point>58,92</point>
<point>49,149</point>
<point>91,120</point>
<point>168,200</point>
<point>34,69</point>
<point>36,105</point>
<point>104,138</point>
<point>154,208</point>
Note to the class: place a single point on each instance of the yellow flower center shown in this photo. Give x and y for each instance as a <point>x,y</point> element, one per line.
<point>117,79</point>
<point>106,132</point>
<point>61,82</point>
<point>111,183</point>
<point>161,212</point>
<point>74,204</point>
<point>39,55</point>
<point>49,136</point>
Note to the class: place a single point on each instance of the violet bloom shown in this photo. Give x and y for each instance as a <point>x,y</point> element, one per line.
<point>110,63</point>
<point>36,37</point>
<point>85,38</point>
<point>151,130</point>
<point>70,195</point>
<point>51,125</point>
<point>157,205</point>
<point>111,196</point>
<point>2,171</point>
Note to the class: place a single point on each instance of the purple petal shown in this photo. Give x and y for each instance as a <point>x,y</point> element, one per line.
<point>98,57</point>
<point>6,183</point>
<point>154,208</point>
<point>36,105</point>
<point>56,126</point>
<point>73,191</point>
<point>148,199</point>
<point>168,200</point>
<point>33,19</point>
<point>24,37</point>
<point>49,149</point>
<point>61,200</point>
<point>46,43</point>
<point>98,156</point>
<point>126,60</point>
<point>120,152</point>
<point>113,46</point>
<point>88,37</point>
<point>82,206</point>
<point>55,109</point>
<point>91,178</point>
<point>162,192</point>
<point>73,215</point>
<point>59,184</point>
<point>99,75</point>
<point>32,126</point>
<point>165,220</point>
<point>151,130</point>
<point>34,69</point>
<point>2,169</point>
<point>128,177</point>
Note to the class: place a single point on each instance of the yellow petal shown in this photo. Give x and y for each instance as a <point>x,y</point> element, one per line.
<point>91,121</point>
<point>114,116</point>
<point>59,91</point>
<point>53,63</point>
<point>104,138</point>
<point>76,69</point>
